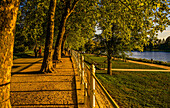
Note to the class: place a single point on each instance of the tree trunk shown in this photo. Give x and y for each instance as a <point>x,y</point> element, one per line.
<point>47,65</point>
<point>8,13</point>
<point>109,65</point>
<point>63,43</point>
<point>67,12</point>
<point>57,51</point>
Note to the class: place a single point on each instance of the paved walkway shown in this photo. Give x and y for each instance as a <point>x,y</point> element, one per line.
<point>149,64</point>
<point>30,88</point>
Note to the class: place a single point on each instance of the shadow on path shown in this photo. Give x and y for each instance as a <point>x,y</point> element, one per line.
<point>32,72</point>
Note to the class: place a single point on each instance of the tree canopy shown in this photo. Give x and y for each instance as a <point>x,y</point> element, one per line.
<point>135,20</point>
<point>31,24</point>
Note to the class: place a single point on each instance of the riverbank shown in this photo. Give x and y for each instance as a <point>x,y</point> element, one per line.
<point>149,61</point>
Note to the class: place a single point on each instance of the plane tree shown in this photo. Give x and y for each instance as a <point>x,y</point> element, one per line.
<point>70,7</point>
<point>47,65</point>
<point>8,13</point>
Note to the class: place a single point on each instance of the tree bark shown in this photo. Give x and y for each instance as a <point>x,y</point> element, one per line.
<point>57,51</point>
<point>68,10</point>
<point>109,65</point>
<point>47,65</point>
<point>63,43</point>
<point>8,13</point>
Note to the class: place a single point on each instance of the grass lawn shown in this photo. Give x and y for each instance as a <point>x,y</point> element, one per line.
<point>28,54</point>
<point>138,89</point>
<point>117,64</point>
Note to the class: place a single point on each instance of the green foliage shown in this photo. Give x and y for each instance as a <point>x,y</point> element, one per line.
<point>89,46</point>
<point>31,24</point>
<point>80,25</point>
<point>27,54</point>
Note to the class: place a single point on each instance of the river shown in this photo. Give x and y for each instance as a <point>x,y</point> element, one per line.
<point>160,56</point>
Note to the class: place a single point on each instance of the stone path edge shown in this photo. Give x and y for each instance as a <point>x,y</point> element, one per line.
<point>73,65</point>
<point>80,104</point>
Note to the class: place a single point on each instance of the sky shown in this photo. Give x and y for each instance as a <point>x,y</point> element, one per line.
<point>98,31</point>
<point>164,34</point>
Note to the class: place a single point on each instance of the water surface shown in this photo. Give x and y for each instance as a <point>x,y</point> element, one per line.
<point>161,56</point>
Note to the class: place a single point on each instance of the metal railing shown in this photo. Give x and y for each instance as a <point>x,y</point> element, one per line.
<point>95,95</point>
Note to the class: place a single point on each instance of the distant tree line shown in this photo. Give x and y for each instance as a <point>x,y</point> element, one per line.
<point>158,45</point>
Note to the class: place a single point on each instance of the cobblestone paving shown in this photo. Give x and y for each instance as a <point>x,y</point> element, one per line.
<point>29,88</point>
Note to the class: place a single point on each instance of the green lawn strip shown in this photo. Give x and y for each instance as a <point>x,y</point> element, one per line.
<point>117,64</point>
<point>27,54</point>
<point>137,89</point>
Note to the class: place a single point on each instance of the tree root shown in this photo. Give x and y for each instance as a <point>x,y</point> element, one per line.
<point>49,70</point>
<point>58,61</point>
<point>55,62</point>
<point>63,54</point>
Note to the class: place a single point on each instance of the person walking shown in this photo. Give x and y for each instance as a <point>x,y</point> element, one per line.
<point>39,51</point>
<point>35,51</point>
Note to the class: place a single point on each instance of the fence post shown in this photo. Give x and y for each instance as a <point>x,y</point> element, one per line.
<point>85,94</point>
<point>88,82</point>
<point>79,65</point>
<point>92,87</point>
<point>82,72</point>
<point>71,52</point>
<point>77,59</point>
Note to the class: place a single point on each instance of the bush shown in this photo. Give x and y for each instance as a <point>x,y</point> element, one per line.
<point>147,61</point>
